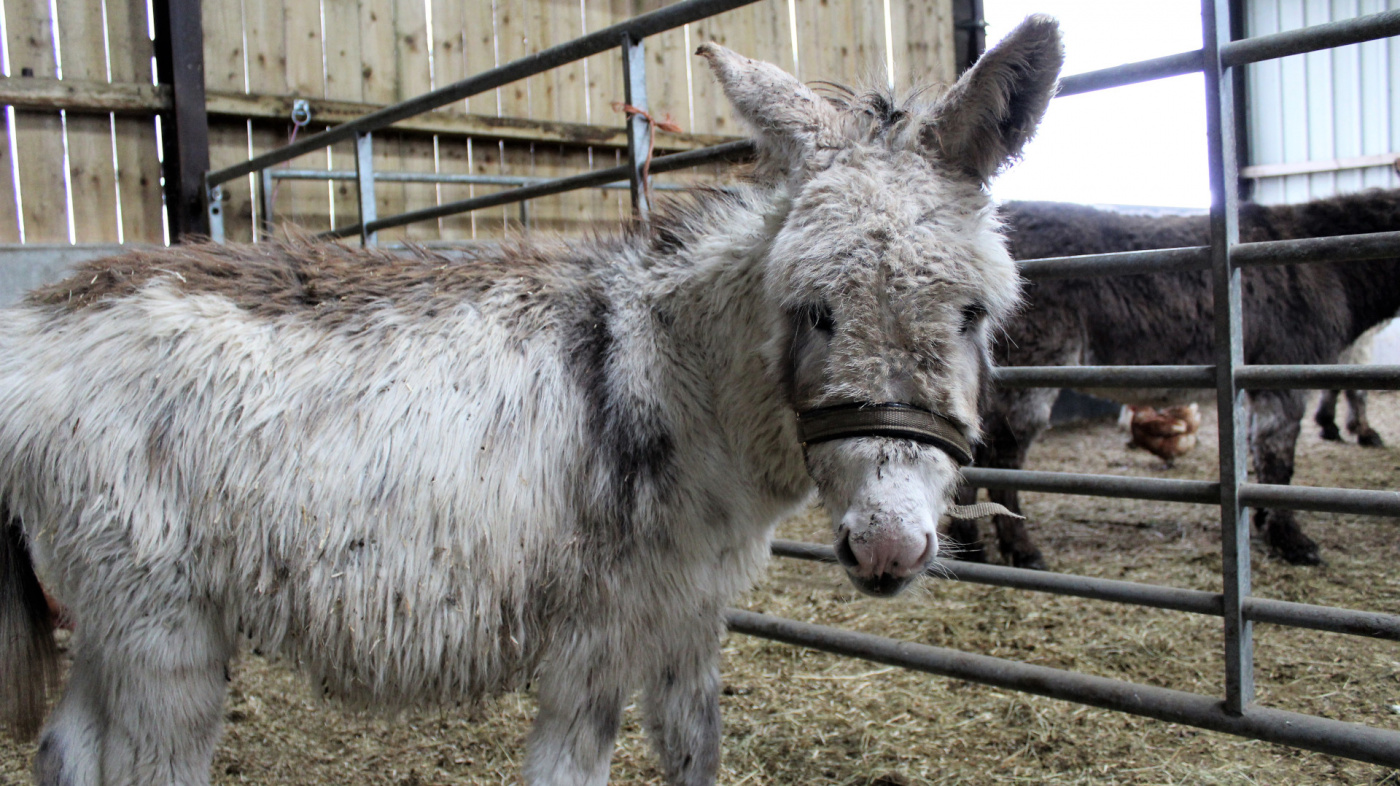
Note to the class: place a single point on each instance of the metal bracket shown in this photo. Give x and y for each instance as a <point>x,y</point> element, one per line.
<point>215,207</point>
<point>634,72</point>
<point>364,183</point>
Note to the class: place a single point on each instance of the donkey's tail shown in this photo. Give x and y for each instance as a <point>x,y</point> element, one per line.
<point>28,655</point>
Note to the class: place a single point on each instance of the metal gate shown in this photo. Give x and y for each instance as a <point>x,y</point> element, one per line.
<point>1219,58</point>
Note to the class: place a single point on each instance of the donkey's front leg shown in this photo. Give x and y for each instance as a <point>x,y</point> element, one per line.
<point>581,694</point>
<point>681,701</point>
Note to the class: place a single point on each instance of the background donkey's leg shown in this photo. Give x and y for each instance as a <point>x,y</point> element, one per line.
<point>581,692</point>
<point>1275,435</point>
<point>164,676</point>
<point>1326,416</point>
<point>1020,417</point>
<point>1357,422</point>
<point>681,700</point>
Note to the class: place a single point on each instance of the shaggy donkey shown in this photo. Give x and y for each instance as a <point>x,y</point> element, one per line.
<point>431,480</point>
<point>1292,314</point>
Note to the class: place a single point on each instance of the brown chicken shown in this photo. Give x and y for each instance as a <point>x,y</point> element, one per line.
<point>1165,433</point>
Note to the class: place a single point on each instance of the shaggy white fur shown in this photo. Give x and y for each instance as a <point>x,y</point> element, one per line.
<point>432,480</point>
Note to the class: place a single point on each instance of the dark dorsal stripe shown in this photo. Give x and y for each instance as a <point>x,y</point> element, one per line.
<point>901,421</point>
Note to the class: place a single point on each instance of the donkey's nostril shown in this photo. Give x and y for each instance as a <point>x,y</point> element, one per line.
<point>844,554</point>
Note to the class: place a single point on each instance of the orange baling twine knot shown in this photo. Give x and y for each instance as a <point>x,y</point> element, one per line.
<point>665,124</point>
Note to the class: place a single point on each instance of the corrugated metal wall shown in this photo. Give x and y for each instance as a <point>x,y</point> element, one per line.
<point>1317,119</point>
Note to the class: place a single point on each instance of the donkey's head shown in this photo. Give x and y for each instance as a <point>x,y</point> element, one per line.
<point>892,274</point>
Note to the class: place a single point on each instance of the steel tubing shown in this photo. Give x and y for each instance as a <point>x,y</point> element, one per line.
<point>1258,377</point>
<point>1176,377</point>
<point>1342,248</point>
<point>1328,377</point>
<point>1332,737</point>
<point>1131,73</point>
<point>1345,248</point>
<point>1160,489</point>
<point>1328,500</point>
<point>639,27</point>
<point>595,179</point>
<point>442,177</point>
<point>1370,624</point>
<point>1120,263</point>
<point>1311,39</point>
<point>1202,492</point>
<point>1237,53</point>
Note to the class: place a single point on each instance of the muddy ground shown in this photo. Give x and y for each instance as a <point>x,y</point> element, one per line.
<point>794,716</point>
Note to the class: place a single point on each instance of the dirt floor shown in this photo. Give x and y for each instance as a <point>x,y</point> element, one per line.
<point>798,717</point>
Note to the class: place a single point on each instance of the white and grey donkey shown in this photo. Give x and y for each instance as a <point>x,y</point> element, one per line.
<point>436,478</point>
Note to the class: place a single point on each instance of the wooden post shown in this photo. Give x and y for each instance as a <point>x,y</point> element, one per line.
<point>179,49</point>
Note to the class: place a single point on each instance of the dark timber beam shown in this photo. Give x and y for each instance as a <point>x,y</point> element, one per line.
<point>179,50</point>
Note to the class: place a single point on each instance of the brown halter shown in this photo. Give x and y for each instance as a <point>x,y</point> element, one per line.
<point>901,421</point>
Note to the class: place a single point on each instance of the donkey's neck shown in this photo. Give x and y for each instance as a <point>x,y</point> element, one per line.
<point>732,338</point>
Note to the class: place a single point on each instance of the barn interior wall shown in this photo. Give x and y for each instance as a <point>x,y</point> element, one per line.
<point>1327,108</point>
<point>80,176</point>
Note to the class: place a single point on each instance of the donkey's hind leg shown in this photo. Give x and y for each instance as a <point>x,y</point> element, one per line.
<point>1357,422</point>
<point>1326,416</point>
<point>144,702</point>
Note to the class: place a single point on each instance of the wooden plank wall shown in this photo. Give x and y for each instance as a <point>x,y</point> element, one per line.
<point>383,51</point>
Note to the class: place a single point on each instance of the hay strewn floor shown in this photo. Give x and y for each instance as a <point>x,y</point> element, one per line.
<point>793,716</point>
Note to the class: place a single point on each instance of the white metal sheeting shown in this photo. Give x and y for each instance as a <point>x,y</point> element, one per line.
<point>1328,116</point>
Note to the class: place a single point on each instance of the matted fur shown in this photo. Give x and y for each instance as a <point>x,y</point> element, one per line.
<point>433,478</point>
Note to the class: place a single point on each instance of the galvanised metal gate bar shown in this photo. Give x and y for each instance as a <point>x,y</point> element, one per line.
<point>1225,257</point>
<point>1300,615</point>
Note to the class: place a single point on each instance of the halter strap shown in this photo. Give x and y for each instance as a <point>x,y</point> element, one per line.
<point>901,421</point>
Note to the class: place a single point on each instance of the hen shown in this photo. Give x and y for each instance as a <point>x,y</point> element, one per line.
<point>1165,433</point>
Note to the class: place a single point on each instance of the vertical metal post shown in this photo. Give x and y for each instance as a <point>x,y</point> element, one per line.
<point>1229,354</point>
<point>179,52</point>
<point>265,191</point>
<point>364,186</point>
<point>634,75</point>
<point>216,214</point>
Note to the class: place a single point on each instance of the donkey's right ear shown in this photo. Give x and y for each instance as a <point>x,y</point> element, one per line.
<point>986,118</point>
<point>791,122</point>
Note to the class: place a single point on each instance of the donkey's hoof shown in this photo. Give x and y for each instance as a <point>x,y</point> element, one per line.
<point>1331,433</point>
<point>1370,439</point>
<point>1300,551</point>
<point>1031,560</point>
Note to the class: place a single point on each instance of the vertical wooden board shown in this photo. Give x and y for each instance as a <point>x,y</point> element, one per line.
<point>228,145</point>
<point>604,87</point>
<point>303,203</point>
<point>344,82</point>
<point>517,98</point>
<point>551,22</point>
<point>38,135</point>
<point>480,54</point>
<point>450,39</point>
<point>925,55</point>
<point>453,158</point>
<point>137,159</point>
<point>380,85</point>
<point>91,173</point>
<point>411,37</point>
<point>265,36</point>
<point>9,215</point>
<point>712,113</point>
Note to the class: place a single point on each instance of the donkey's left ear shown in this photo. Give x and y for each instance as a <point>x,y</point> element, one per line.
<point>790,120</point>
<point>982,123</point>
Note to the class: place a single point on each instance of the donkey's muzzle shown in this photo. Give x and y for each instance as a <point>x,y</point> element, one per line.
<point>890,419</point>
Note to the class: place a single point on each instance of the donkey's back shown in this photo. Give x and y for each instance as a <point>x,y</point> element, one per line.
<point>327,451</point>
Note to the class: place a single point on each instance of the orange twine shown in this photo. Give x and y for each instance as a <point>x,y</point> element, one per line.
<point>665,124</point>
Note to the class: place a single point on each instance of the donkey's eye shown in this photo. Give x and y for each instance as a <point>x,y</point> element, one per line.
<point>972,315</point>
<point>818,315</point>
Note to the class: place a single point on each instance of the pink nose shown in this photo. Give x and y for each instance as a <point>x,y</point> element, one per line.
<point>885,551</point>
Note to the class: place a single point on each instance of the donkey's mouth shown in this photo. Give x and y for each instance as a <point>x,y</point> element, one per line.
<point>885,585</point>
